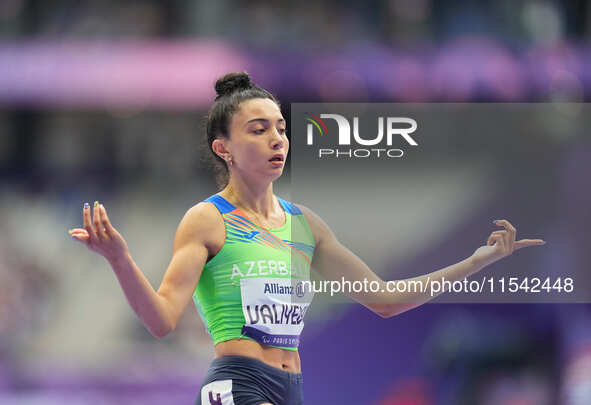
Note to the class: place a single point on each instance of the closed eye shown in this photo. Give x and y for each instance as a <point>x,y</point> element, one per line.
<point>282,131</point>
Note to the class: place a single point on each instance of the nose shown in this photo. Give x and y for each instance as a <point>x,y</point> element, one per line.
<point>277,140</point>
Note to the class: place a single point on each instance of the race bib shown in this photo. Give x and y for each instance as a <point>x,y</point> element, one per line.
<point>274,310</point>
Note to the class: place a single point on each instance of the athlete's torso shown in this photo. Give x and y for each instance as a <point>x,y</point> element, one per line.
<point>250,293</point>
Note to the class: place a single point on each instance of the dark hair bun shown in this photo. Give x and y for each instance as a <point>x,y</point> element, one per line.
<point>232,82</point>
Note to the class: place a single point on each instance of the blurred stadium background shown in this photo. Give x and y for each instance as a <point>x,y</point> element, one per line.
<point>103,100</point>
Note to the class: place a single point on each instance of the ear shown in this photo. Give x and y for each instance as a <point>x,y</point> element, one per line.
<point>220,148</point>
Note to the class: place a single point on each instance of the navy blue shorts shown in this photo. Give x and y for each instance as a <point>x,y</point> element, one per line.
<point>238,380</point>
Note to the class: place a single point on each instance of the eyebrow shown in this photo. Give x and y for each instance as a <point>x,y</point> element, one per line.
<point>263,120</point>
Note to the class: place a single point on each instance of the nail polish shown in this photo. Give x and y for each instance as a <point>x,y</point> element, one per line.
<point>70,231</point>
<point>86,205</point>
<point>96,203</point>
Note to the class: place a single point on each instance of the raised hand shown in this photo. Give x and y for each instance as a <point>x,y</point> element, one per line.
<point>502,243</point>
<point>101,238</point>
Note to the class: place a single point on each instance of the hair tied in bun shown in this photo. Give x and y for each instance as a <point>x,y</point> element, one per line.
<point>232,82</point>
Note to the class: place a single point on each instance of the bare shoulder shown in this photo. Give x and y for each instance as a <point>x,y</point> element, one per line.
<point>319,228</point>
<point>203,224</point>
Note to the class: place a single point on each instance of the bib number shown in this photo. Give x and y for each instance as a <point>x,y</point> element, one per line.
<point>274,310</point>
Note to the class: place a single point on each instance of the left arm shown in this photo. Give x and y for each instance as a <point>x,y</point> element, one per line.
<point>335,262</point>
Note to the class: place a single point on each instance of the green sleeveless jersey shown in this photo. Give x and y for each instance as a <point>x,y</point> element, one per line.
<point>254,287</point>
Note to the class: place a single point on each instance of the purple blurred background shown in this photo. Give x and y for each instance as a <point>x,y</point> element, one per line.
<point>104,100</point>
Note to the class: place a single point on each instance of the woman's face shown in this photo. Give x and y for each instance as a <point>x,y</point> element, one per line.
<point>258,139</point>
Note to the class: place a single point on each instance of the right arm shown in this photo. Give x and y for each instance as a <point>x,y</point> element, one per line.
<point>336,262</point>
<point>159,310</point>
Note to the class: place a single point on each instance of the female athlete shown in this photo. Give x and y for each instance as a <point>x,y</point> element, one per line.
<point>243,253</point>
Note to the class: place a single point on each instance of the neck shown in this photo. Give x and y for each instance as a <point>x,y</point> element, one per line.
<point>252,196</point>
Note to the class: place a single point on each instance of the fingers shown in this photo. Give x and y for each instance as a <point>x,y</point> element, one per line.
<point>506,224</point>
<point>98,223</point>
<point>81,237</point>
<point>528,242</point>
<point>497,239</point>
<point>96,229</point>
<point>88,224</point>
<point>510,235</point>
<point>498,233</point>
<point>109,230</point>
<point>490,240</point>
<point>79,234</point>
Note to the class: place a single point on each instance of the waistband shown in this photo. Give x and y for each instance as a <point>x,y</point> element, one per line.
<point>248,362</point>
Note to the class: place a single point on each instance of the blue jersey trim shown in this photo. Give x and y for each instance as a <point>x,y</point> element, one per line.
<point>223,205</point>
<point>289,207</point>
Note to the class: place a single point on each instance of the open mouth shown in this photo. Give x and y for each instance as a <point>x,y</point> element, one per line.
<point>276,158</point>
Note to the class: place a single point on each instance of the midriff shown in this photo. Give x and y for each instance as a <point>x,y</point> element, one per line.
<point>286,360</point>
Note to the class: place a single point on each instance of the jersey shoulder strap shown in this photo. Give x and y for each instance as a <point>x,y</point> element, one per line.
<point>289,207</point>
<point>223,205</point>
